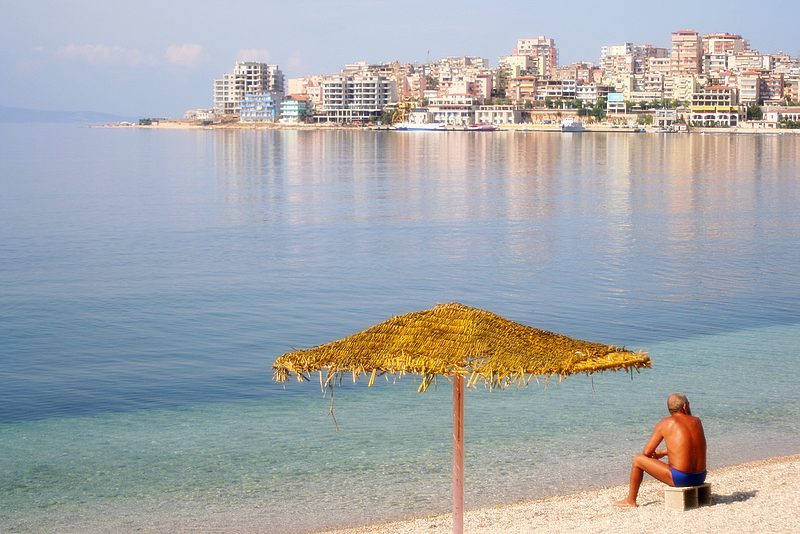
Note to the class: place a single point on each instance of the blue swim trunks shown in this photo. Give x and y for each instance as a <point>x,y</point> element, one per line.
<point>683,480</point>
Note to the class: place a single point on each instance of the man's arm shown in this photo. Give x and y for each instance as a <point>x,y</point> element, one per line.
<point>652,444</point>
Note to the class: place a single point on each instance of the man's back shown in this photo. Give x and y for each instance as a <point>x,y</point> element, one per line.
<point>686,450</point>
<point>686,442</point>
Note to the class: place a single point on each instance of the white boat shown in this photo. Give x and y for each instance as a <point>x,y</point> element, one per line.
<point>572,125</point>
<point>420,126</point>
<point>482,127</point>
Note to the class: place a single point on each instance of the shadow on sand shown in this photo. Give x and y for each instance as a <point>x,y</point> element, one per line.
<point>737,496</point>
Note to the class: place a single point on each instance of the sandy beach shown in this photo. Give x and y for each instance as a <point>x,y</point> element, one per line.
<point>762,496</point>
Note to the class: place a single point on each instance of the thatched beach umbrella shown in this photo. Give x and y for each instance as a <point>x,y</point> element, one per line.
<point>456,342</point>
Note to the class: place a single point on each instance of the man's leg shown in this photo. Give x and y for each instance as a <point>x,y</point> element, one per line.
<point>644,464</point>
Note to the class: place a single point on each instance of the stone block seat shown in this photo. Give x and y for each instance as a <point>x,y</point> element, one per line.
<point>688,497</point>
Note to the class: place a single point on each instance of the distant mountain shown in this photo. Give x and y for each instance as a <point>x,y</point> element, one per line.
<point>41,115</point>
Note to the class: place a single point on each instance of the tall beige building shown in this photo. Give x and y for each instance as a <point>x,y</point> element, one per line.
<point>687,53</point>
<point>540,47</point>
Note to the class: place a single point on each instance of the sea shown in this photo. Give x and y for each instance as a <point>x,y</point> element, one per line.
<point>150,277</point>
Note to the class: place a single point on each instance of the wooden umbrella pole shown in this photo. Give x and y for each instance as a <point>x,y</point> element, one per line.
<point>458,454</point>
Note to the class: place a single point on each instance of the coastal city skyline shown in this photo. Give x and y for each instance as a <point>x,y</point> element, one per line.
<point>141,59</point>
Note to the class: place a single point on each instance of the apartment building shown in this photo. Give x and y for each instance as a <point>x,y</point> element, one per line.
<point>556,89</point>
<point>484,83</point>
<point>791,90</point>
<point>715,63</point>
<point>716,105</point>
<point>581,72</point>
<point>519,65</point>
<point>724,43</point>
<point>295,109</point>
<point>629,58</point>
<point>589,93</point>
<point>787,65</point>
<point>411,86</point>
<point>541,47</point>
<point>247,77</point>
<point>750,60</point>
<point>258,107</point>
<point>749,86</point>
<point>682,87</point>
<point>651,83</point>
<point>687,53</point>
<point>359,98</point>
<point>521,88</point>
<point>770,88</point>
<point>451,68</point>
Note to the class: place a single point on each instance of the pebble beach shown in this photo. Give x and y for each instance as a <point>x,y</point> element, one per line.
<point>761,496</point>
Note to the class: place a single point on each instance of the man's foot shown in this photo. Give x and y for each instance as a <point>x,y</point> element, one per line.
<point>625,503</point>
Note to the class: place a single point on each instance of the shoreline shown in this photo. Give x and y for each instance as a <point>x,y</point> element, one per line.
<point>755,496</point>
<point>522,128</point>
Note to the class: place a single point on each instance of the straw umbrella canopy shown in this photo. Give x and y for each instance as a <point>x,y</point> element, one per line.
<point>462,344</point>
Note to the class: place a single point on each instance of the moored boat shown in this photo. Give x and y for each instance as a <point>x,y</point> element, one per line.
<point>420,126</point>
<point>572,125</point>
<point>482,127</point>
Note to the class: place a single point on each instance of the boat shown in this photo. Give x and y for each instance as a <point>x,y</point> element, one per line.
<point>420,126</point>
<point>572,125</point>
<point>482,127</point>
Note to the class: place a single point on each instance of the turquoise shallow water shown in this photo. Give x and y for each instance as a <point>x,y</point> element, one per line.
<point>283,458</point>
<point>149,279</point>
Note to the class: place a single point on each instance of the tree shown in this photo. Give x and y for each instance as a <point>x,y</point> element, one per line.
<point>385,118</point>
<point>599,109</point>
<point>431,82</point>
<point>500,90</point>
<point>754,112</point>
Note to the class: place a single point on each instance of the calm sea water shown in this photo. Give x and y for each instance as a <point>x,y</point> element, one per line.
<point>148,279</point>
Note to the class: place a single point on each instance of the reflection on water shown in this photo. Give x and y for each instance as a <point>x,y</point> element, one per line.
<point>642,219</point>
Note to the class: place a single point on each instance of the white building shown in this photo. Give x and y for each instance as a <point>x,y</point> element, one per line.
<point>453,110</point>
<point>778,114</point>
<point>346,99</point>
<point>500,114</point>
<point>248,77</point>
<point>665,118</point>
<point>591,92</point>
<point>616,105</point>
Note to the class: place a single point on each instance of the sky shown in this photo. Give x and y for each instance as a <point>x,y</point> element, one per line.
<point>160,58</point>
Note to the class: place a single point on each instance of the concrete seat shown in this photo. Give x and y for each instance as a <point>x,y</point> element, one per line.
<point>688,497</point>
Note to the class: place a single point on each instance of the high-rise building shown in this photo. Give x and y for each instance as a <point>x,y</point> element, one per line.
<point>358,98</point>
<point>687,53</point>
<point>248,77</point>
<point>628,58</point>
<point>724,43</point>
<point>539,47</point>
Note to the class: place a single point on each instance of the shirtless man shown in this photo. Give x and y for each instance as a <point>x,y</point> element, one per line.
<point>686,448</point>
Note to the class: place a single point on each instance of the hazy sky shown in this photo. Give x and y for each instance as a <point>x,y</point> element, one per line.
<point>159,58</point>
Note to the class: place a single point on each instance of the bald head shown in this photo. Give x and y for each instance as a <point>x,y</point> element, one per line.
<point>676,402</point>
